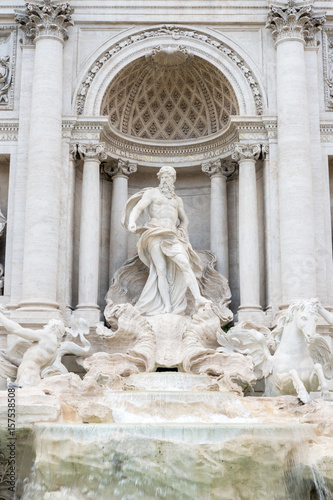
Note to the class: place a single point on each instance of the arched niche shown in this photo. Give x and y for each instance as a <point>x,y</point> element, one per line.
<point>225,56</point>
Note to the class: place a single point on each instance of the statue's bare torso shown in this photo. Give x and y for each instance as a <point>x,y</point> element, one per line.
<point>163,209</point>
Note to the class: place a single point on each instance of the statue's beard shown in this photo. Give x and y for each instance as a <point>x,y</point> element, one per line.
<point>167,188</point>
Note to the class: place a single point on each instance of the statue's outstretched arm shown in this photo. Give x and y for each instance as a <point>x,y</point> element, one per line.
<point>13,327</point>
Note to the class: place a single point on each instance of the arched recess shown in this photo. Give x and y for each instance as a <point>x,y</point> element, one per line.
<point>226,56</point>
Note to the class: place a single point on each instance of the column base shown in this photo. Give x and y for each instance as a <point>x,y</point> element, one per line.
<point>90,312</point>
<point>36,312</point>
<point>254,314</point>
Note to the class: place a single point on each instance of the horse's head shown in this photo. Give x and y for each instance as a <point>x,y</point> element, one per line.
<point>303,314</point>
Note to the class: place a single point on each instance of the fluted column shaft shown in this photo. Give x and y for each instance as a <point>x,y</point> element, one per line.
<point>90,232</point>
<point>218,172</point>
<point>118,234</point>
<point>21,175</point>
<point>290,27</point>
<point>248,231</point>
<point>40,266</point>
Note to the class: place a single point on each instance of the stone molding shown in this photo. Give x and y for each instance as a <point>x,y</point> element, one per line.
<point>92,151</point>
<point>47,18</point>
<point>9,132</point>
<point>85,131</point>
<point>246,152</point>
<point>225,168</point>
<point>294,22</point>
<point>175,32</point>
<point>326,133</point>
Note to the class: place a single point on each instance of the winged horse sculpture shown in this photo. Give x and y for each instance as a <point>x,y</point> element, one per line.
<point>302,361</point>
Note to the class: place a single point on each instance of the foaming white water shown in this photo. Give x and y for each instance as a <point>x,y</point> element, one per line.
<point>174,461</point>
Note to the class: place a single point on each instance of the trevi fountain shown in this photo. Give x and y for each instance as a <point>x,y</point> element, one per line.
<point>166,278</point>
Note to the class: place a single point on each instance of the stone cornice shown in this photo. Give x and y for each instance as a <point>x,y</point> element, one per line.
<point>250,130</point>
<point>8,131</point>
<point>47,18</point>
<point>294,22</point>
<point>326,133</point>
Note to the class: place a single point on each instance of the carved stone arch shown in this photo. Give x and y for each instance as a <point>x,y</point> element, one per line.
<point>230,60</point>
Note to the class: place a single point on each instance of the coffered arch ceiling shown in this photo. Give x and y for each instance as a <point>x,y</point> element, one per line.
<point>169,96</point>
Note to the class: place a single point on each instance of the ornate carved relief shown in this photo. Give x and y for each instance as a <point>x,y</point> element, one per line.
<point>246,152</point>
<point>45,18</point>
<point>180,101</point>
<point>169,56</point>
<point>123,168</point>
<point>293,22</point>
<point>8,132</point>
<point>8,35</point>
<point>92,151</point>
<point>326,133</point>
<point>226,167</point>
<point>175,33</point>
<point>328,68</point>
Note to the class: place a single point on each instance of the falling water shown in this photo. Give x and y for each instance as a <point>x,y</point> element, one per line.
<point>173,461</point>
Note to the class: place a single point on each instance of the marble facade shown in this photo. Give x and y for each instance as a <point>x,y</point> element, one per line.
<point>236,96</point>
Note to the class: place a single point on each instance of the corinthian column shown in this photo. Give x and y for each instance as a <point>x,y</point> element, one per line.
<point>218,171</point>
<point>45,23</point>
<point>87,308</point>
<point>248,228</point>
<point>118,234</point>
<point>290,27</point>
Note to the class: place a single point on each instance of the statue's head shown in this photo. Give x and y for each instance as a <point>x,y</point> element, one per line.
<point>56,327</point>
<point>166,170</point>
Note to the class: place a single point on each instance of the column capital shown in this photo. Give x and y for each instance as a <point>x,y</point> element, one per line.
<point>219,167</point>
<point>124,169</point>
<point>46,18</point>
<point>294,22</point>
<point>92,151</point>
<point>246,152</point>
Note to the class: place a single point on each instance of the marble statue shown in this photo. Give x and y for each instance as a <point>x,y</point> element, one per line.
<point>164,247</point>
<point>41,356</point>
<point>302,361</point>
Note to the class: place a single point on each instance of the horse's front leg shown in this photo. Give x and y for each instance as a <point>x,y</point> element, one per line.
<point>301,392</point>
<point>319,373</point>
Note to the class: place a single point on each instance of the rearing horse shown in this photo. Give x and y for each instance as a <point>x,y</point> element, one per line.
<point>302,361</point>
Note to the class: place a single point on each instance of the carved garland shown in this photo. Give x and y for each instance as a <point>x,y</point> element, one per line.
<point>175,33</point>
<point>328,68</point>
<point>8,38</point>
